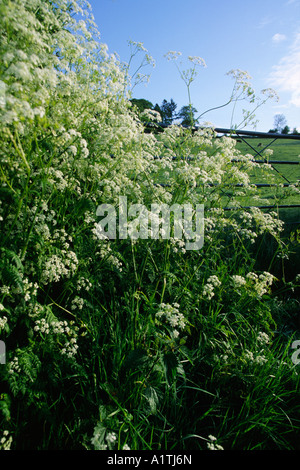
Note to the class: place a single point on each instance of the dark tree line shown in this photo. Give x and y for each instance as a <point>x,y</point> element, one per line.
<point>186,116</point>
<point>281,127</point>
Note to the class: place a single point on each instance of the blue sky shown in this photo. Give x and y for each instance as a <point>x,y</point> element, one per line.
<point>261,37</point>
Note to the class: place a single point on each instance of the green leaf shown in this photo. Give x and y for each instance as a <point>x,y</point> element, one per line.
<point>136,359</point>
<point>5,406</point>
<point>152,399</point>
<point>170,365</point>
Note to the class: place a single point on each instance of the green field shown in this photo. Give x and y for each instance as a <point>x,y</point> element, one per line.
<point>283,150</point>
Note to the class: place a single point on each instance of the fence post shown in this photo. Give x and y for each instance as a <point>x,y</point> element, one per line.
<point>2,353</point>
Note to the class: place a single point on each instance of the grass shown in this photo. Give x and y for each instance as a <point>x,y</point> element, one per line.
<point>283,150</point>
<point>133,380</point>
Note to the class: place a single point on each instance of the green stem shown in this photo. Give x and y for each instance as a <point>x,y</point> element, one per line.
<point>19,150</point>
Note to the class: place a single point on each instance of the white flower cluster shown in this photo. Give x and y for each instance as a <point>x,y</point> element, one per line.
<point>197,60</point>
<point>5,290</point>
<point>208,290</point>
<point>27,73</point>
<point>58,179</point>
<point>62,328</point>
<point>69,137</point>
<point>63,237</point>
<point>42,326</point>
<point>111,437</point>
<point>261,282</point>
<point>89,217</point>
<point>258,356</point>
<point>178,245</point>
<point>173,55</point>
<point>3,322</point>
<point>212,445</point>
<point>254,359</point>
<point>263,339</point>
<point>172,315</point>
<point>57,267</point>
<point>268,222</point>
<point>30,289</point>
<point>13,366</point>
<point>238,281</point>
<point>43,220</point>
<point>83,283</point>
<point>5,441</point>
<point>257,283</point>
<point>70,349</point>
<point>77,303</point>
<point>106,252</point>
<point>151,115</point>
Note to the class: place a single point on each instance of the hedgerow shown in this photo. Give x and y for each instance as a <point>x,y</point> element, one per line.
<point>117,344</point>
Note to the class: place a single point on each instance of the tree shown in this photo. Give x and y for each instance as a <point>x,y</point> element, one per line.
<point>279,122</point>
<point>187,115</point>
<point>285,130</point>
<point>158,109</point>
<point>168,109</point>
<point>141,104</point>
